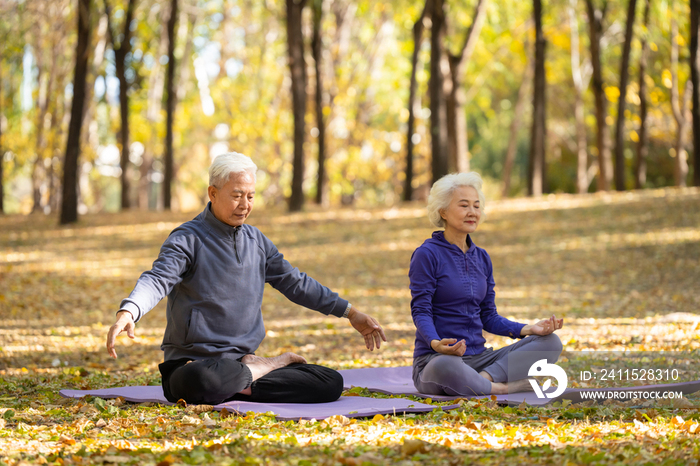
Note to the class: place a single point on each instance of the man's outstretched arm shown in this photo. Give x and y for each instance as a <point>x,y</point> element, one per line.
<point>368,327</point>
<point>125,322</point>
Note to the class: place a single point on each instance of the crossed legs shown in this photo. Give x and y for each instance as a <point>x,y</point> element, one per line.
<point>283,379</point>
<point>488,373</point>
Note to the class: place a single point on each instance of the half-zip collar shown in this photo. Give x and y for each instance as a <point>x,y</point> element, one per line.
<point>222,229</point>
<point>439,239</point>
<point>217,225</point>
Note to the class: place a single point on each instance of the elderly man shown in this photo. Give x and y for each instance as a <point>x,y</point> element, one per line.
<point>213,270</point>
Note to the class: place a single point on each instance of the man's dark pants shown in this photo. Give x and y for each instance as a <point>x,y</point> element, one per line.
<point>214,381</point>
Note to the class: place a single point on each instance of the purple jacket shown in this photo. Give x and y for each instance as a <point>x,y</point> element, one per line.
<point>452,296</point>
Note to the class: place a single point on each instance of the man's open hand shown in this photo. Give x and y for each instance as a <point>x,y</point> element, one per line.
<point>125,321</point>
<point>368,327</point>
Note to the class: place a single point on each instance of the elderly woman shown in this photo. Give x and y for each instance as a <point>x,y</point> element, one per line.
<point>453,302</point>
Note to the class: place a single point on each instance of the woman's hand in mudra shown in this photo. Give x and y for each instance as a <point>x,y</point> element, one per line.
<point>449,346</point>
<point>543,327</point>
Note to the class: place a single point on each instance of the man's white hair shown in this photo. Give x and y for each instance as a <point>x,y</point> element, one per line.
<point>443,189</point>
<point>226,164</point>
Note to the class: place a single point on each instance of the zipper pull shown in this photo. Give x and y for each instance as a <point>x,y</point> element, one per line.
<point>235,247</point>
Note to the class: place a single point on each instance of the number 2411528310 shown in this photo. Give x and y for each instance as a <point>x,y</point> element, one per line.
<point>643,375</point>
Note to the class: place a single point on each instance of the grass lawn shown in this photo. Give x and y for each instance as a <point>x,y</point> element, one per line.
<point>623,269</point>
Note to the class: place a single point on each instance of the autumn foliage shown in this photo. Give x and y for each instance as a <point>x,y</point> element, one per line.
<point>621,268</point>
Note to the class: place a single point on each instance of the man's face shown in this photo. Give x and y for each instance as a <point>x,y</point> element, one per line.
<point>233,202</point>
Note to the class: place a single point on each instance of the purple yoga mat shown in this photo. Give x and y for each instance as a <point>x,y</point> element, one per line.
<point>348,406</point>
<point>398,381</point>
<point>388,380</point>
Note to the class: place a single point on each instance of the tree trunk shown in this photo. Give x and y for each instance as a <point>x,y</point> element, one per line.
<point>42,103</point>
<point>61,119</point>
<point>321,181</point>
<point>124,133</point>
<point>156,80</point>
<point>582,181</point>
<point>101,36</point>
<point>120,54</point>
<point>640,178</point>
<point>144,188</point>
<point>156,86</point>
<point>456,122</point>
<point>458,143</point>
<point>680,172</point>
<point>69,198</point>
<point>169,108</point>
<point>622,100</point>
<point>418,28</point>
<point>297,68</point>
<point>2,151</point>
<point>183,78</point>
<point>681,168</point>
<point>515,125</point>
<point>536,166</point>
<point>595,23</point>
<point>438,129</point>
<point>695,78</point>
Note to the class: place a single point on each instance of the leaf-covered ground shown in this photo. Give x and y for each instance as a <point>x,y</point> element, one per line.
<point>622,269</point>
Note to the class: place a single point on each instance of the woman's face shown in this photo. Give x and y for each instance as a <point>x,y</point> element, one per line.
<point>464,211</point>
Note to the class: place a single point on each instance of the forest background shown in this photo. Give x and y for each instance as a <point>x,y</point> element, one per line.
<point>120,105</point>
<point>341,101</point>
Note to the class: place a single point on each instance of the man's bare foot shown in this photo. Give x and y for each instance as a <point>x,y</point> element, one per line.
<point>260,366</point>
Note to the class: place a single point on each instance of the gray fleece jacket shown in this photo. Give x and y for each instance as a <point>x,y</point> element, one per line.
<point>214,275</point>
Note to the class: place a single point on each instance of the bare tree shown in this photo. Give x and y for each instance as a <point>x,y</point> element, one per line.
<point>183,79</point>
<point>536,165</point>
<point>169,107</point>
<point>458,143</point>
<point>46,80</point>
<point>509,161</point>
<point>581,75</point>
<point>316,50</point>
<point>101,38</point>
<point>680,110</point>
<point>595,26</point>
<point>640,178</point>
<point>90,138</point>
<point>624,77</point>
<point>121,52</point>
<point>47,46</point>
<point>69,198</point>
<point>437,98</point>
<point>695,78</point>
<point>2,151</point>
<point>156,87</point>
<point>297,68</point>
<point>61,108</point>
<point>418,28</point>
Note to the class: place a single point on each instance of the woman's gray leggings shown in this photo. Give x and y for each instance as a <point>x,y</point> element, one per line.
<point>441,374</point>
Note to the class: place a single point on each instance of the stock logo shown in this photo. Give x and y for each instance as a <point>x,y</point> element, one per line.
<point>543,369</point>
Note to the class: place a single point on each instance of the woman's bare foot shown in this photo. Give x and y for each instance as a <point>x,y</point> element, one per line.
<point>515,386</point>
<point>260,366</point>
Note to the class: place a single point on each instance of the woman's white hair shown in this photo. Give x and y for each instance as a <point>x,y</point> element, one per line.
<point>443,189</point>
<point>226,164</point>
